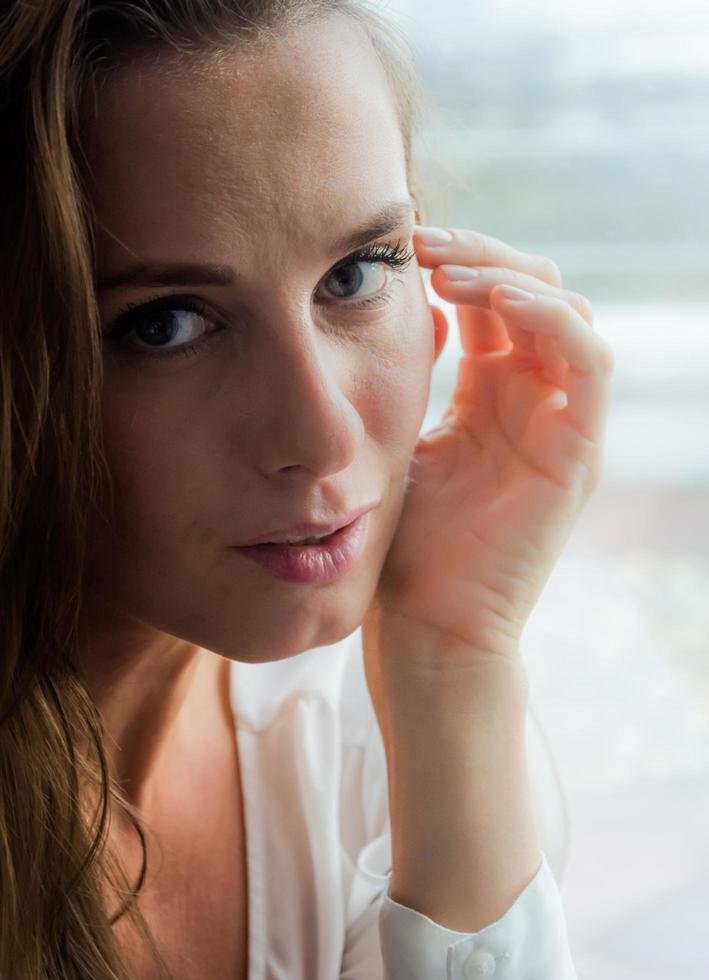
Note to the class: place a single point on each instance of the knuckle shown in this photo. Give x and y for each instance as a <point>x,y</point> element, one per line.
<point>484,248</point>
<point>595,474</point>
<point>606,358</point>
<point>583,305</point>
<point>594,465</point>
<point>467,236</point>
<point>551,272</point>
<point>589,471</point>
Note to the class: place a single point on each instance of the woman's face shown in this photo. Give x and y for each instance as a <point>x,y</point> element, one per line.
<point>299,401</point>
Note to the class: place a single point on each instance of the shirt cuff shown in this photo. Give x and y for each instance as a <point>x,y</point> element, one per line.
<point>529,942</point>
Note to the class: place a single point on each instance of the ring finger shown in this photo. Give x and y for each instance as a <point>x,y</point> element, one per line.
<point>469,288</point>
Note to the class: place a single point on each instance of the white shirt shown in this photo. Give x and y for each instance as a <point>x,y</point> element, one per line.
<point>318,841</point>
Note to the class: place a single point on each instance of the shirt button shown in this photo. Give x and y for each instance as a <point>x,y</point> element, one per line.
<point>479,964</point>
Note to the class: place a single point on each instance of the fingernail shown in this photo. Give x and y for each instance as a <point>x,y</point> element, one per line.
<point>432,236</point>
<point>459,273</point>
<point>513,293</point>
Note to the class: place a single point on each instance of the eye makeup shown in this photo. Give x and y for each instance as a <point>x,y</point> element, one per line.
<point>135,315</point>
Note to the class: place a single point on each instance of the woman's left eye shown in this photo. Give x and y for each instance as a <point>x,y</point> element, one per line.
<point>365,275</point>
<point>357,280</point>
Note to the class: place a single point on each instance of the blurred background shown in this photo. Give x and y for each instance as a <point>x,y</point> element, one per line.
<point>581,131</point>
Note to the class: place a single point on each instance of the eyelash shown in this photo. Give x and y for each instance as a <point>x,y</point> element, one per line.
<point>397,257</point>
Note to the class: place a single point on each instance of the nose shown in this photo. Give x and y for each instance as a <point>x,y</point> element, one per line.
<point>305,380</point>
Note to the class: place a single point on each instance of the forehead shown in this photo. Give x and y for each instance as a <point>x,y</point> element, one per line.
<point>279,141</point>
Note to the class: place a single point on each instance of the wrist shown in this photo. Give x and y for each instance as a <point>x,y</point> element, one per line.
<point>464,836</point>
<point>417,673</point>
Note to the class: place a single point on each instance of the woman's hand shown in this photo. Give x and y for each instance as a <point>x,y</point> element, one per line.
<point>494,492</point>
<point>496,488</point>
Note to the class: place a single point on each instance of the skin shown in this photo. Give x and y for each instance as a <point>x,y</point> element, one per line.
<point>306,408</point>
<point>303,410</point>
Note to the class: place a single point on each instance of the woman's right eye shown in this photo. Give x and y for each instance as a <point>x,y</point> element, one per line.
<point>163,320</point>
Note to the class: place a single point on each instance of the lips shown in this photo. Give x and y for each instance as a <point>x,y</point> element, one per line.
<point>318,564</point>
<point>310,542</point>
<point>314,539</point>
<point>298,532</point>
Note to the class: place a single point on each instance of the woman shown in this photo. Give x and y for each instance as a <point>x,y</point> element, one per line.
<point>216,341</point>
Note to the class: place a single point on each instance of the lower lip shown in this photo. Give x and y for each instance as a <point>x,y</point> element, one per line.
<point>313,564</point>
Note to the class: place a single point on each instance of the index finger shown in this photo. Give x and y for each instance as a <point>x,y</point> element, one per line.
<point>472,248</point>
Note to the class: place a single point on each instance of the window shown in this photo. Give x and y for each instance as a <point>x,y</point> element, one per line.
<point>581,131</point>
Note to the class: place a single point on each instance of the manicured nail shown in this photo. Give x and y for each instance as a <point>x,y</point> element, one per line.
<point>517,295</point>
<point>432,236</point>
<point>459,273</point>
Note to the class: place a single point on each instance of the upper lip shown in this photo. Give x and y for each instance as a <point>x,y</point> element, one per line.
<point>308,530</point>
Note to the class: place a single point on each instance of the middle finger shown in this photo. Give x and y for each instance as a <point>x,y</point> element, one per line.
<point>465,284</point>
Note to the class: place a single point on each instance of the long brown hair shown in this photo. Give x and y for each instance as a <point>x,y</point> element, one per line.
<point>56,794</point>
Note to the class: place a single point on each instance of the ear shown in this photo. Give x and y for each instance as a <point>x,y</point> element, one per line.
<point>440,326</point>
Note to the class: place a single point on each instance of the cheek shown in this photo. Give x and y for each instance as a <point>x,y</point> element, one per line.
<point>155,467</point>
<point>401,379</point>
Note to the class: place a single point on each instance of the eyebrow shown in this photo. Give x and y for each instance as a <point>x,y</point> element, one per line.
<point>387,218</point>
